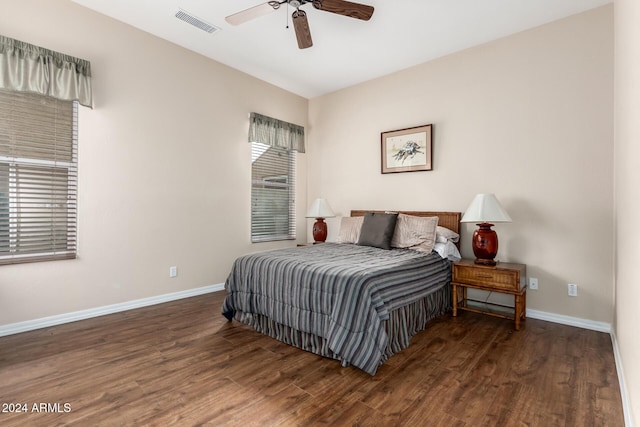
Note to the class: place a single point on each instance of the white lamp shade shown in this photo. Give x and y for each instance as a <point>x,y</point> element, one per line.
<point>320,209</point>
<point>485,208</point>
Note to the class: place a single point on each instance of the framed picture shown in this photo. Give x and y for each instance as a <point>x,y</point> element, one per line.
<point>407,150</point>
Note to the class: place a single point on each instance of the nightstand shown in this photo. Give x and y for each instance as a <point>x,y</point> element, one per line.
<point>506,278</point>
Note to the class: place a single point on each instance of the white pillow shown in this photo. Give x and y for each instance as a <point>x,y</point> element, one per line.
<point>444,235</point>
<point>448,251</point>
<point>350,229</point>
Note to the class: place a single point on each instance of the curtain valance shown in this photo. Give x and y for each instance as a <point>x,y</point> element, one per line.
<point>276,133</point>
<point>28,68</point>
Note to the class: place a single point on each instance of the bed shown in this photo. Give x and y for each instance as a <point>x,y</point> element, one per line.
<point>356,303</point>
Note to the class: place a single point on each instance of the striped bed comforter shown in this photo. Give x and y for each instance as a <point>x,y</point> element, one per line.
<point>340,292</point>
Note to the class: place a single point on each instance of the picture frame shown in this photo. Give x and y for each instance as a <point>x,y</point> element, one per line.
<point>407,150</point>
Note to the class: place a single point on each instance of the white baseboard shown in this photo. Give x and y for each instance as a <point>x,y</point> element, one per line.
<point>30,325</point>
<point>623,386</point>
<point>571,321</point>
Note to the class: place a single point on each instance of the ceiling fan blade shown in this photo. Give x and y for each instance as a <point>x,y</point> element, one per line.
<point>346,8</point>
<point>301,25</point>
<point>252,13</point>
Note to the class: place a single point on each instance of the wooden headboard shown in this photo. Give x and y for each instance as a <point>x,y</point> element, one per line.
<point>450,220</point>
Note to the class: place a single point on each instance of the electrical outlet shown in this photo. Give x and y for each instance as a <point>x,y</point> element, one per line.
<point>573,290</point>
<point>533,283</point>
<point>173,271</point>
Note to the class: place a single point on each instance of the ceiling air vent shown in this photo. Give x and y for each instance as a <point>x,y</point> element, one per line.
<point>196,22</point>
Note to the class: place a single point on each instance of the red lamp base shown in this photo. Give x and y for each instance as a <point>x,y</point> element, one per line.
<point>485,244</point>
<point>319,230</point>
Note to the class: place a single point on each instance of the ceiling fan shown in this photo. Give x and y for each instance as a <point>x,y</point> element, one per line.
<point>299,17</point>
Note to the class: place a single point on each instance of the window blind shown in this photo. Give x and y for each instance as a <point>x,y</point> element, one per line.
<point>38,178</point>
<point>273,214</point>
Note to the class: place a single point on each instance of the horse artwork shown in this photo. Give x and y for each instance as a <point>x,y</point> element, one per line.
<point>410,149</point>
<point>407,150</point>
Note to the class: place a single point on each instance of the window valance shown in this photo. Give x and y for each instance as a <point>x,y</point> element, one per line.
<point>28,68</point>
<point>276,133</point>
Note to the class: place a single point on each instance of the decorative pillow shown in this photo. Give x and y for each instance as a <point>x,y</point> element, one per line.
<point>377,230</point>
<point>415,232</point>
<point>350,229</point>
<point>444,235</point>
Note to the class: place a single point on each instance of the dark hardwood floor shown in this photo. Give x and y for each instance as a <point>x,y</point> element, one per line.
<point>182,363</point>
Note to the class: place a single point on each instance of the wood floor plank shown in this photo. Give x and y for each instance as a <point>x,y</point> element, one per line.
<point>183,364</point>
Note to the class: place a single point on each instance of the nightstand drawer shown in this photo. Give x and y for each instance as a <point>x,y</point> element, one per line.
<point>491,277</point>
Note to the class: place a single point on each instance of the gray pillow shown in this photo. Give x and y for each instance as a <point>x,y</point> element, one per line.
<point>377,230</point>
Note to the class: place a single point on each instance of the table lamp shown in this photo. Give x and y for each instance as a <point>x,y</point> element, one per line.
<point>485,210</point>
<point>320,210</point>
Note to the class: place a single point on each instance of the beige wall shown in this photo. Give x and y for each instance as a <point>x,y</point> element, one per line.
<point>627,196</point>
<point>164,166</point>
<point>529,118</point>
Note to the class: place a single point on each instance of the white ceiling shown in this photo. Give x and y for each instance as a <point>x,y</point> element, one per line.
<point>346,51</point>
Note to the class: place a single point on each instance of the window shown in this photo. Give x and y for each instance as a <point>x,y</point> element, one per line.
<point>38,177</point>
<point>273,213</point>
<point>274,144</point>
